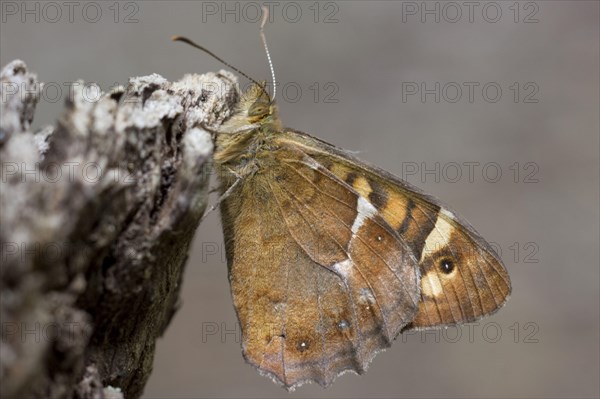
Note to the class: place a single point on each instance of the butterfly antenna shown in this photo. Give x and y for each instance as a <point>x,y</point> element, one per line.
<point>264,40</point>
<point>191,43</point>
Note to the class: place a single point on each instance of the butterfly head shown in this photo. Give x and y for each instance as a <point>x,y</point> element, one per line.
<point>261,109</point>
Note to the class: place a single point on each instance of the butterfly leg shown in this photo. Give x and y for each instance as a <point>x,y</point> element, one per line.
<point>223,196</point>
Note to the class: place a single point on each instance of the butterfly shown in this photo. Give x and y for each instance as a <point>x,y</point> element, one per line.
<point>330,258</point>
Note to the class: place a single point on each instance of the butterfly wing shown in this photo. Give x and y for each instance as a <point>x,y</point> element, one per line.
<point>320,281</point>
<point>461,277</point>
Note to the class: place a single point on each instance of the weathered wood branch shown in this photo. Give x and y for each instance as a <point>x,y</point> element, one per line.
<point>97,216</point>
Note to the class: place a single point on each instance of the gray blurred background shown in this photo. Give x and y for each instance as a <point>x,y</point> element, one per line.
<point>350,70</point>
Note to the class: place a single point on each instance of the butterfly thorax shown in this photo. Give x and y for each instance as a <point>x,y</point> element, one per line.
<point>244,144</point>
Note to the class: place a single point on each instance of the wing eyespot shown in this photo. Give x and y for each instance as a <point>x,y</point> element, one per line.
<point>302,346</point>
<point>343,325</point>
<point>446,265</point>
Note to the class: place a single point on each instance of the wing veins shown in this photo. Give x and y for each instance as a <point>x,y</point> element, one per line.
<point>400,240</point>
<point>357,266</point>
<point>356,345</point>
<point>438,273</point>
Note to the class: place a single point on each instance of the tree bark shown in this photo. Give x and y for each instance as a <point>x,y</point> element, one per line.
<point>97,216</point>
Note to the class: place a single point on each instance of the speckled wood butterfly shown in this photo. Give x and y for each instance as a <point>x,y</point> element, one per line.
<point>331,258</point>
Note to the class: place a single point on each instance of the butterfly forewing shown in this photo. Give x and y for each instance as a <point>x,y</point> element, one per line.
<point>462,278</point>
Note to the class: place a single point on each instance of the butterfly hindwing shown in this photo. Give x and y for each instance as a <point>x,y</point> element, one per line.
<point>461,276</point>
<point>320,281</point>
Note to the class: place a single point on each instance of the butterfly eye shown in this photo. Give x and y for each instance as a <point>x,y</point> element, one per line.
<point>257,110</point>
<point>446,266</point>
